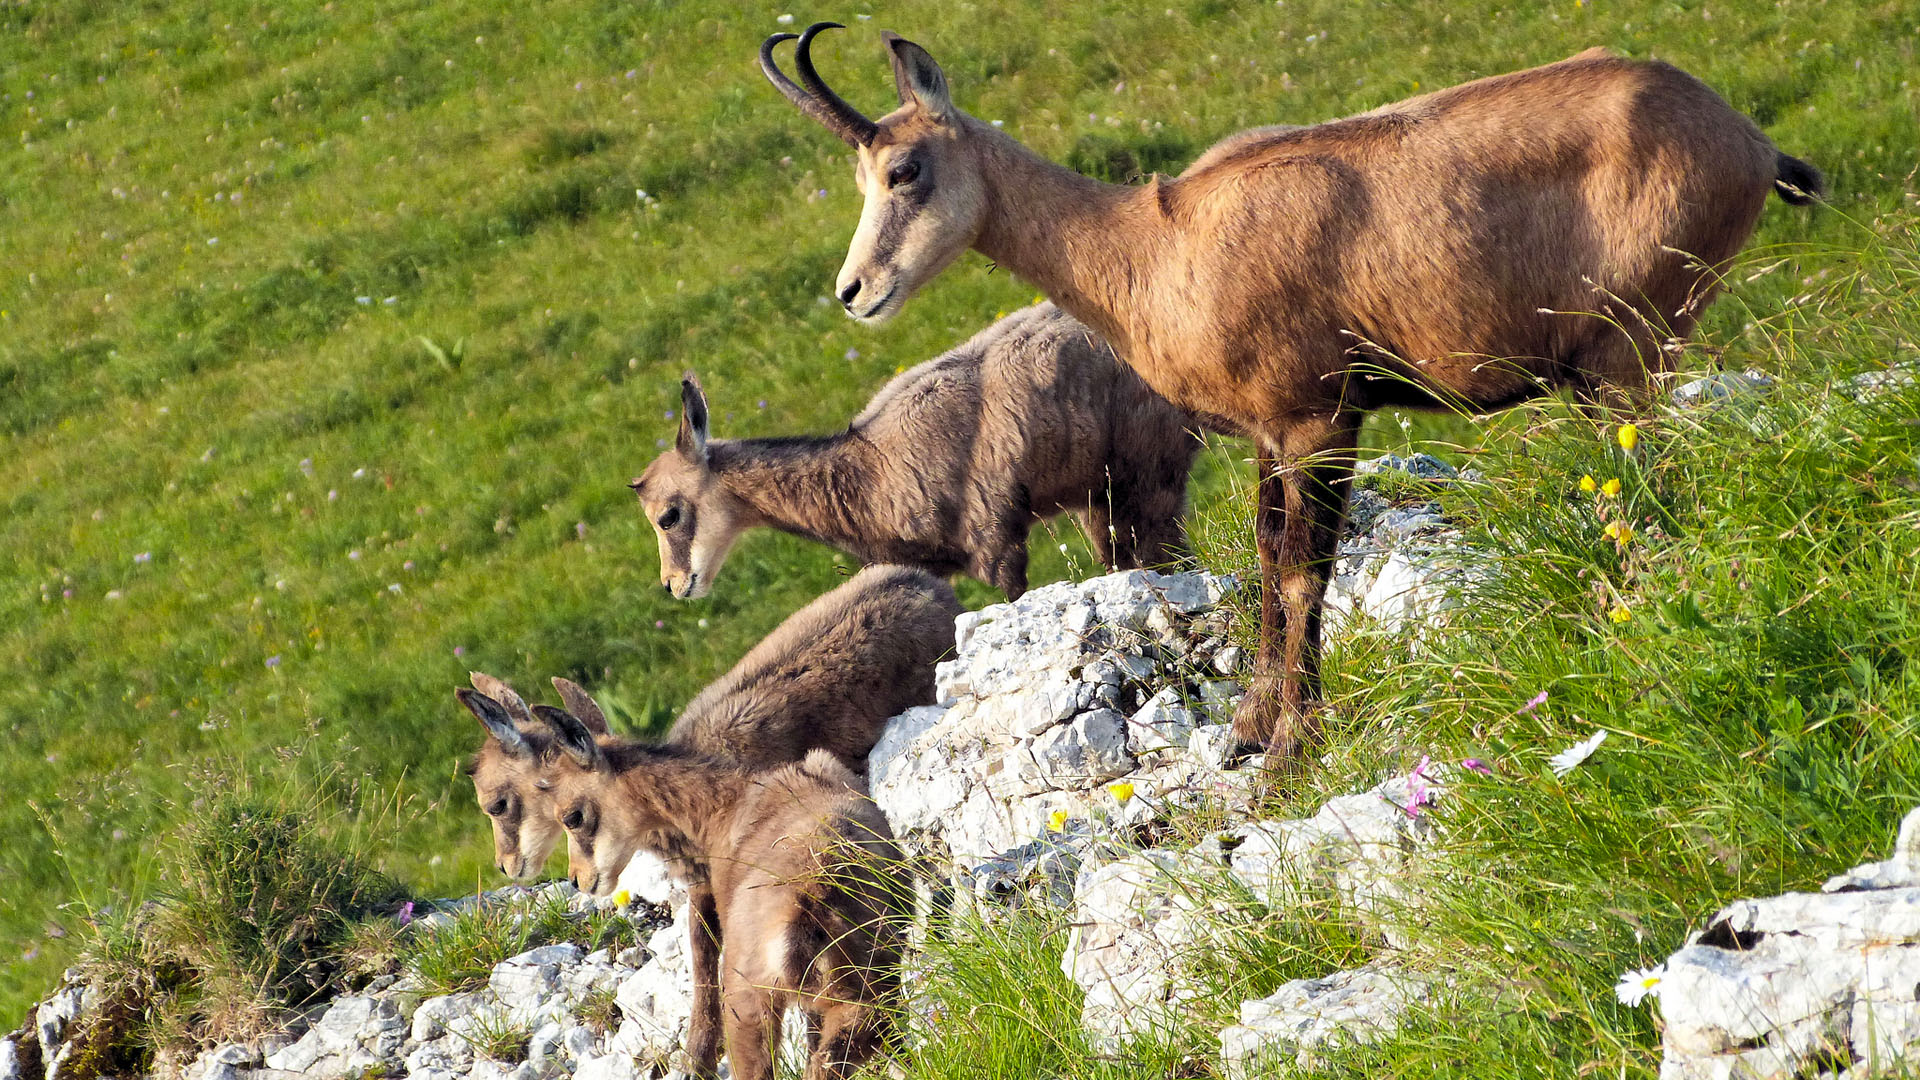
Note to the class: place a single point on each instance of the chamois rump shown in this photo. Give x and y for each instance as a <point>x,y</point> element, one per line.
<point>803,871</point>
<point>827,678</point>
<point>1468,248</point>
<point>947,468</point>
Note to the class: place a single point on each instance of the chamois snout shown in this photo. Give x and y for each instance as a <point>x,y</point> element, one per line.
<point>866,300</point>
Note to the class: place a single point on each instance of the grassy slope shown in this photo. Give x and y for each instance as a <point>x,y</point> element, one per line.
<point>195,378</point>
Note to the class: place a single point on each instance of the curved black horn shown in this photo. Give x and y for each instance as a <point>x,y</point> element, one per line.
<point>816,100</point>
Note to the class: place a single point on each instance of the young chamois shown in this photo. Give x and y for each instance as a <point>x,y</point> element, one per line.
<point>1467,249</point>
<point>946,468</point>
<point>802,869</point>
<point>827,678</point>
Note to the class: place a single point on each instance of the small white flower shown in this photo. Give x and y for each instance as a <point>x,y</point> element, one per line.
<point>1639,984</point>
<point>784,20</point>
<point>1569,759</point>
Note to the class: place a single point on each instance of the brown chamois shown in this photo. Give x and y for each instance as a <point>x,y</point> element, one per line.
<point>803,869</point>
<point>947,468</point>
<point>1468,248</point>
<point>827,678</point>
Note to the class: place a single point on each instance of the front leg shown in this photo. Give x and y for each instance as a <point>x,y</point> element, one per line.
<point>703,952</point>
<point>1303,507</point>
<point>753,1026</point>
<point>1257,719</point>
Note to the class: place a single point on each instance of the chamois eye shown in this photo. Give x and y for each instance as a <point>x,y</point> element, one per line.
<point>669,519</point>
<point>496,807</point>
<point>904,173</point>
<point>572,820</point>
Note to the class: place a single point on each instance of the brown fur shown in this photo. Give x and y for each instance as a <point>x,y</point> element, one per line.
<point>947,467</point>
<point>801,865</point>
<point>827,678</point>
<point>1472,247</point>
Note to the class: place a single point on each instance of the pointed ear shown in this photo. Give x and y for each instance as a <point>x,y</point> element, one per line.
<point>692,442</point>
<point>503,694</point>
<point>581,705</point>
<point>493,716</point>
<point>573,736</point>
<point>918,79</point>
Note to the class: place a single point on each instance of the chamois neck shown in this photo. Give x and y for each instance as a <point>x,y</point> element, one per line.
<point>811,485</point>
<point>1088,245</point>
<point>695,795</point>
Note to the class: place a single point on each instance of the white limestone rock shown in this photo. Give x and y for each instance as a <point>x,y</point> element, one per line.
<point>657,1001</point>
<point>1089,751</point>
<point>1163,723</point>
<point>10,1068</point>
<point>52,1018</point>
<point>1344,1008</point>
<point>353,1035</point>
<point>1782,987</point>
<point>1136,923</point>
<point>223,1062</point>
<point>1721,386</point>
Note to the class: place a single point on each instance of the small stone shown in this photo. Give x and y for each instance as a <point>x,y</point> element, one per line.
<point>1227,660</point>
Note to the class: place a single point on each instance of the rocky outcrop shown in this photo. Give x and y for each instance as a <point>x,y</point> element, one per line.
<point>1803,984</point>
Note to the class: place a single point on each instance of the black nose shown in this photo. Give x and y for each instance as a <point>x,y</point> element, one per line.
<point>847,294</point>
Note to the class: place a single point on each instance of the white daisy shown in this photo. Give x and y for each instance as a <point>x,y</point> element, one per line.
<point>1569,759</point>
<point>1639,984</point>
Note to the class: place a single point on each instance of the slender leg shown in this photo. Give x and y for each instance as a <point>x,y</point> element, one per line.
<point>1303,504</point>
<point>1095,521</point>
<point>703,1027</point>
<point>753,1027</point>
<point>1258,717</point>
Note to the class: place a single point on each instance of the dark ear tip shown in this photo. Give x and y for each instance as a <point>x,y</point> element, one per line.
<point>634,485</point>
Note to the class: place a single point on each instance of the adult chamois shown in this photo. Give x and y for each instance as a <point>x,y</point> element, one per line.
<point>946,468</point>
<point>827,678</point>
<point>803,869</point>
<point>1469,248</point>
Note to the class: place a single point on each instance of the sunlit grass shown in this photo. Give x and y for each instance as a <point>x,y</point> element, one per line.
<point>243,496</point>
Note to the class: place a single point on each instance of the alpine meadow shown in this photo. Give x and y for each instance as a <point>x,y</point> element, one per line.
<point>331,335</point>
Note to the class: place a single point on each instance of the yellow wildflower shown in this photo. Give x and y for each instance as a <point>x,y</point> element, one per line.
<point>622,898</point>
<point>1057,821</point>
<point>1121,792</point>
<point>1611,487</point>
<point>1628,435</point>
<point>1619,614</point>
<point>1587,483</point>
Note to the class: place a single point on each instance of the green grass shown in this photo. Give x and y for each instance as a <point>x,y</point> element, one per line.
<point>459,954</point>
<point>216,460</point>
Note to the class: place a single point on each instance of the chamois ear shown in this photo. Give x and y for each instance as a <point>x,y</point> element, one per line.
<point>581,704</point>
<point>692,442</point>
<point>573,736</point>
<point>918,79</point>
<point>493,716</point>
<point>500,692</point>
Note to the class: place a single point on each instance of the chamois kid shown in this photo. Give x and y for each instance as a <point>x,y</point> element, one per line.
<point>947,468</point>
<point>827,678</point>
<point>803,872</point>
<point>1468,249</point>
